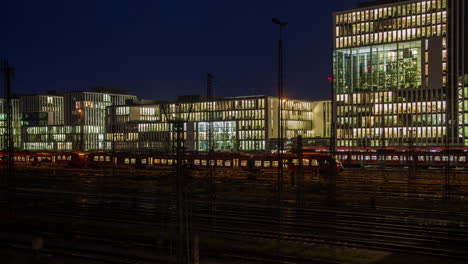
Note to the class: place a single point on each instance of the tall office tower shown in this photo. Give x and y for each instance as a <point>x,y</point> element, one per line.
<point>399,74</point>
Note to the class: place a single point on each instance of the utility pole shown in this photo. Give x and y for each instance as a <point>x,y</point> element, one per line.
<point>281,25</point>
<point>383,137</point>
<point>210,148</point>
<point>114,138</point>
<point>82,121</point>
<point>300,171</point>
<point>331,179</point>
<point>175,117</point>
<point>411,160</point>
<point>210,139</point>
<point>411,157</point>
<point>447,154</point>
<point>111,119</point>
<point>8,142</point>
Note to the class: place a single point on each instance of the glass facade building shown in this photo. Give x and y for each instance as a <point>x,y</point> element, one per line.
<point>399,74</point>
<point>103,121</point>
<point>82,115</point>
<point>62,138</point>
<point>247,123</point>
<point>42,110</point>
<point>16,123</point>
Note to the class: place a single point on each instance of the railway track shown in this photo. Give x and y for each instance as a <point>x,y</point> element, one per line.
<point>403,230</point>
<point>150,198</point>
<point>87,250</point>
<point>306,226</point>
<point>380,183</point>
<point>274,259</point>
<point>396,190</point>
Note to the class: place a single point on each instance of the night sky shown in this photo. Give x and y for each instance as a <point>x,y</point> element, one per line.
<point>160,49</point>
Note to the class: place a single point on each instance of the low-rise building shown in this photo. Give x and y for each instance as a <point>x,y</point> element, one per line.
<point>61,138</point>
<point>248,123</point>
<point>103,119</point>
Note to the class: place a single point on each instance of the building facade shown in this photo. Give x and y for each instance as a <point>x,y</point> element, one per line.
<point>89,108</point>
<point>104,121</point>
<point>16,123</point>
<point>42,110</point>
<point>233,124</point>
<point>83,126</point>
<point>322,119</point>
<point>399,74</point>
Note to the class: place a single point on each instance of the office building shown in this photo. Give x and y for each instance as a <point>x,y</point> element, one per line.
<point>83,125</point>
<point>89,107</point>
<point>16,123</point>
<point>247,123</point>
<point>322,118</point>
<point>399,74</point>
<point>51,138</point>
<point>109,120</point>
<point>42,110</point>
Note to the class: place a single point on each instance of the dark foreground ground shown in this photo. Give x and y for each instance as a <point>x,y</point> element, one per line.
<point>367,216</point>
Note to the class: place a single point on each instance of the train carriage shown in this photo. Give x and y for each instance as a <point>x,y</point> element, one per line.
<point>221,161</point>
<point>102,159</point>
<point>265,162</point>
<point>76,159</point>
<point>434,158</point>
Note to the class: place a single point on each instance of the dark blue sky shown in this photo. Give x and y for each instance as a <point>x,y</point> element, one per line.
<point>159,49</point>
